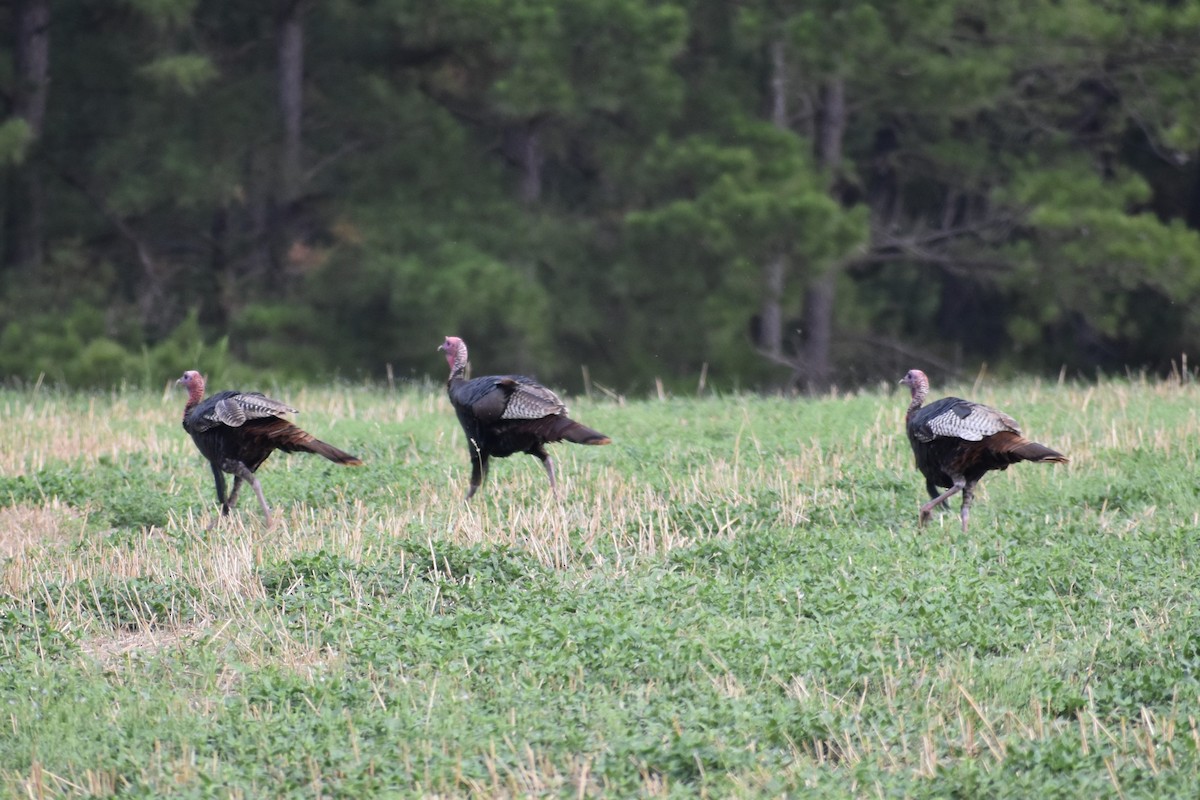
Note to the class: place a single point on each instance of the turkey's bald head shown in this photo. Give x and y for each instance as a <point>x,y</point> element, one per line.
<point>190,379</point>
<point>456,352</point>
<point>193,381</point>
<point>916,380</point>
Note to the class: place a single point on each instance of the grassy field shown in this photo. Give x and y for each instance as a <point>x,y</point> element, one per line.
<point>731,600</point>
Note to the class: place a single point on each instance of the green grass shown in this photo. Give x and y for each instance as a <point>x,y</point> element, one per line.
<point>733,599</point>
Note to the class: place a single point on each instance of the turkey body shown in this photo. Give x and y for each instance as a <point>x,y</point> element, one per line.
<point>237,431</point>
<point>506,414</point>
<point>481,405</point>
<point>956,442</point>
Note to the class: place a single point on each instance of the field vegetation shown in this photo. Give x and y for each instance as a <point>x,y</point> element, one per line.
<point>733,599</point>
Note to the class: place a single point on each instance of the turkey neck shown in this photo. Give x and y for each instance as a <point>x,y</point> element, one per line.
<point>459,370</point>
<point>195,395</point>
<point>918,397</point>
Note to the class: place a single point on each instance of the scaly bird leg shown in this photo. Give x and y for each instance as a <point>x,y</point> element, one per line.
<point>229,502</point>
<point>927,509</point>
<point>219,480</point>
<point>233,495</point>
<point>548,464</point>
<point>479,468</point>
<point>968,496</point>
<point>240,470</point>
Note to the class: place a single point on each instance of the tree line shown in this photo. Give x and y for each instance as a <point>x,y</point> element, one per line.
<point>768,194</point>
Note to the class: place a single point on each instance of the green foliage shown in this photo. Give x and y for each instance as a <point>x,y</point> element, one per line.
<point>139,603</point>
<point>15,139</point>
<point>732,599</point>
<point>31,634</point>
<point>715,212</point>
<point>164,12</point>
<point>566,183</point>
<point>124,493</point>
<point>187,72</point>
<point>75,350</point>
<point>1107,255</point>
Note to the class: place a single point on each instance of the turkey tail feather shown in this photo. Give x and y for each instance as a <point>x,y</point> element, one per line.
<point>333,454</point>
<point>1032,451</point>
<point>292,439</point>
<point>582,434</point>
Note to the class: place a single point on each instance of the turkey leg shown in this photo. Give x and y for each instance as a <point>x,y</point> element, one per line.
<point>479,469</point>
<point>243,472</point>
<point>960,483</point>
<point>968,496</point>
<point>548,463</point>
<point>233,495</point>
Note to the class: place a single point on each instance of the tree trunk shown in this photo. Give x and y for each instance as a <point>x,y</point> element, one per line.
<point>770,313</point>
<point>818,323</point>
<point>523,145</point>
<point>1192,215</point>
<point>291,98</point>
<point>264,258</point>
<point>831,125</point>
<point>278,216</point>
<point>822,290</point>
<point>779,113</point>
<point>31,63</point>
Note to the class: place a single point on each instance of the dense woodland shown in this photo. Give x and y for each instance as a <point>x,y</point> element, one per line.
<point>772,194</point>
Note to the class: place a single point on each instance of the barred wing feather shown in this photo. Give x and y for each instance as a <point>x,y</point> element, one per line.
<point>235,409</point>
<point>530,400</point>
<point>960,419</point>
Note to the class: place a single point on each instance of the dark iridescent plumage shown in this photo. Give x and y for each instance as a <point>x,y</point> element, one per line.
<point>956,442</point>
<point>237,431</point>
<point>506,414</point>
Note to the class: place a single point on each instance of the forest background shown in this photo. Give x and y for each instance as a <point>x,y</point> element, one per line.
<point>769,194</point>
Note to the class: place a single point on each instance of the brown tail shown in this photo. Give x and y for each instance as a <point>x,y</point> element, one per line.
<point>582,434</point>
<point>1032,451</point>
<point>557,428</point>
<point>333,454</point>
<point>292,439</point>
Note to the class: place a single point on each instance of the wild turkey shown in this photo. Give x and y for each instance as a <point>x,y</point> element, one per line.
<point>237,431</point>
<point>506,414</point>
<point>956,442</point>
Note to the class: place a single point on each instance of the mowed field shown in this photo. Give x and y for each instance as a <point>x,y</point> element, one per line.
<point>732,599</point>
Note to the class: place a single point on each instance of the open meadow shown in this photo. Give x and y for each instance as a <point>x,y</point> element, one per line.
<point>732,599</point>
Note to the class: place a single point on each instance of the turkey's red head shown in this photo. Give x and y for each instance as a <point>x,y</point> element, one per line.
<point>456,352</point>
<point>917,382</point>
<point>193,381</point>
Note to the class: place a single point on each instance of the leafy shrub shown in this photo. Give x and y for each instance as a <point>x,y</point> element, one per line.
<point>23,629</point>
<point>77,350</point>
